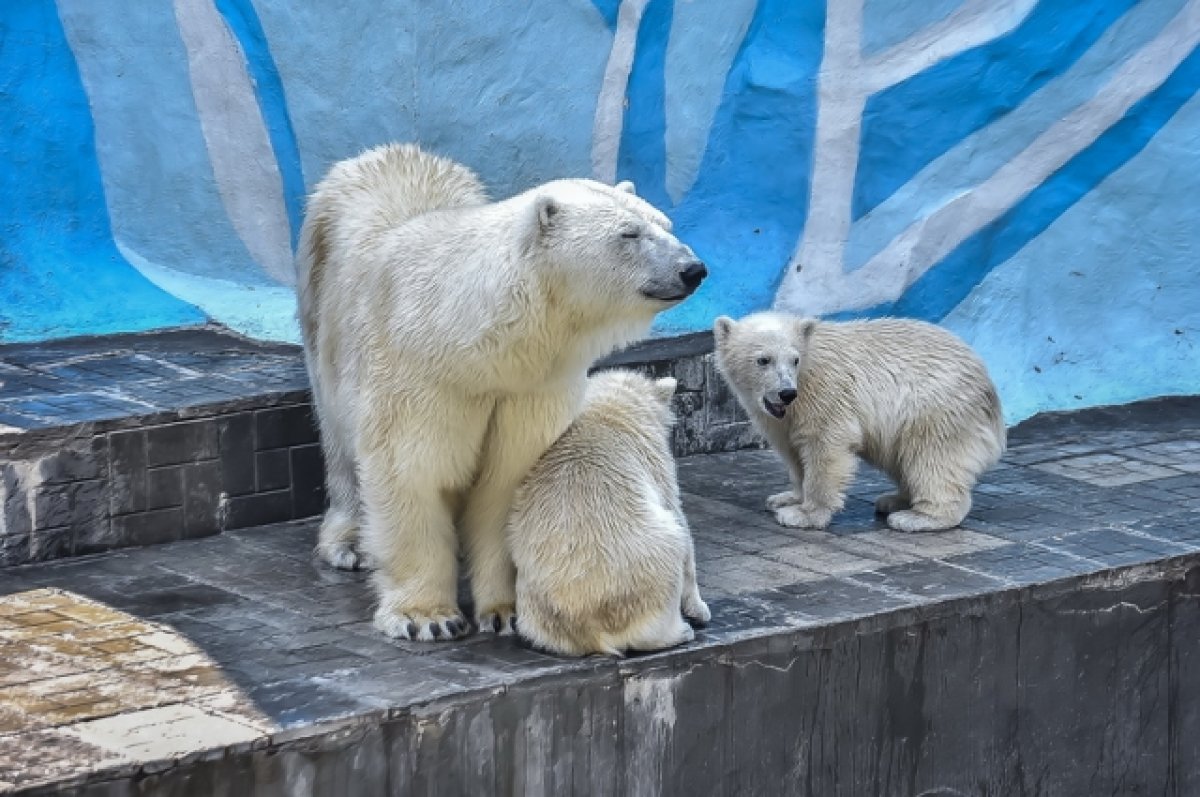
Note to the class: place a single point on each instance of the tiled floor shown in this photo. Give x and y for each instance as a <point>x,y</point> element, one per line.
<point>139,657</point>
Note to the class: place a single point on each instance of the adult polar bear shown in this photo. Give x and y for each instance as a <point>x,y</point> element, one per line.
<point>448,340</point>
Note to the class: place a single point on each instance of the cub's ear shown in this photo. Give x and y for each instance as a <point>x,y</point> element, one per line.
<point>721,329</point>
<point>664,389</point>
<point>804,328</point>
<point>627,187</point>
<point>547,210</point>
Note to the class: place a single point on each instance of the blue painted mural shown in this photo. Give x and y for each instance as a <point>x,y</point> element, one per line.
<point>1021,171</point>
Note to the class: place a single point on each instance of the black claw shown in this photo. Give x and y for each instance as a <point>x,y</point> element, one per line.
<point>435,630</point>
<point>497,623</point>
<point>412,630</point>
<point>512,622</point>
<point>452,627</point>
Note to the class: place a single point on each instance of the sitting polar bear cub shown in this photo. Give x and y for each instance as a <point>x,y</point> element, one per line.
<point>908,397</point>
<point>604,557</point>
<point>448,340</point>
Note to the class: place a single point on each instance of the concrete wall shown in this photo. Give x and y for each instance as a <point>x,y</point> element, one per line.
<point>1023,171</point>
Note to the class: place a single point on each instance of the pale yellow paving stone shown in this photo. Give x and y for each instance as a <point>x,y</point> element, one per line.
<point>166,732</point>
<point>171,643</point>
<point>870,548</point>
<point>825,559</point>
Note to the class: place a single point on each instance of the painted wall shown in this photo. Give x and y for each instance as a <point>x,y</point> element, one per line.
<point>1025,172</point>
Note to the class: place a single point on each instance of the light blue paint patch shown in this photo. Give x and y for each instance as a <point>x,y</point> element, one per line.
<point>979,155</point>
<point>949,282</point>
<point>1104,306</point>
<point>608,9</point>
<point>525,117</point>
<point>909,125</point>
<point>643,154</point>
<point>243,22</point>
<point>60,274</point>
<point>267,312</point>
<point>350,75</point>
<point>161,192</point>
<point>747,207</point>
<point>888,22</point>
<point>704,39</point>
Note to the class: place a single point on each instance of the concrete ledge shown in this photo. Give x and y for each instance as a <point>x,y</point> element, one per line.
<point>142,439</point>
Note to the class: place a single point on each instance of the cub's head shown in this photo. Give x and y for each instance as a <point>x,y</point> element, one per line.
<point>761,357</point>
<point>616,252</point>
<point>631,399</point>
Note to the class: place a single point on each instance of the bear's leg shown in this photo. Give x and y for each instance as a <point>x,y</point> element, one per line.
<point>782,445</point>
<point>338,539</point>
<point>940,489</point>
<point>892,502</point>
<point>829,466</point>
<point>522,428</point>
<point>692,605</point>
<point>944,512</point>
<point>414,455</point>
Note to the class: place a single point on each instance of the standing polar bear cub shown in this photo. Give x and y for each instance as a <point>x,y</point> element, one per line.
<point>906,396</point>
<point>448,340</point>
<point>605,561</point>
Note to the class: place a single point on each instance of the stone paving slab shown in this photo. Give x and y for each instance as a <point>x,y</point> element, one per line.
<point>145,659</point>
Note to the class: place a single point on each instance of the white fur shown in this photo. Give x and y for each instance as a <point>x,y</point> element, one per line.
<point>906,396</point>
<point>448,340</point>
<point>604,556</point>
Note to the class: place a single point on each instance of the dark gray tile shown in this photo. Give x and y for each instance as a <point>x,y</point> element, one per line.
<point>180,443</point>
<point>308,481</point>
<point>282,427</point>
<point>258,509</point>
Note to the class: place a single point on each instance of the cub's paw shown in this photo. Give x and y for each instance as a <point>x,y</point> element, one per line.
<point>780,500</point>
<point>696,610</point>
<point>798,516</point>
<point>343,556</point>
<point>440,624</point>
<point>500,620</point>
<point>916,522</point>
<point>889,503</point>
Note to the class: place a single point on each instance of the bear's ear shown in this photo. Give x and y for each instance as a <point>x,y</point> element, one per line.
<point>664,388</point>
<point>547,210</point>
<point>804,328</point>
<point>721,329</point>
<point>627,187</point>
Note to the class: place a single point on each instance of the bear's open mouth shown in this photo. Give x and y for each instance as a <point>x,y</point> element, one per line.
<point>665,297</point>
<point>775,408</point>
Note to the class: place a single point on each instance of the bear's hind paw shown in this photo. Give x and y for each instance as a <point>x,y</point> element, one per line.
<point>500,620</point>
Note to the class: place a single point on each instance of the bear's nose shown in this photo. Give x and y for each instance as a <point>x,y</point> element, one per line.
<point>693,273</point>
<point>787,395</point>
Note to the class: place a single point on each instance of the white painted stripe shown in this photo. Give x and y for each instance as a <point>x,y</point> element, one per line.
<point>236,137</point>
<point>928,240</point>
<point>610,105</point>
<point>844,83</point>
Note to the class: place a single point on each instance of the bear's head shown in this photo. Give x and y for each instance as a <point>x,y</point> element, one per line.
<point>638,401</point>
<point>761,357</point>
<point>614,252</point>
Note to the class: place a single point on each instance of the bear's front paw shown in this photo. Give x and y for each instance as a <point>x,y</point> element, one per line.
<point>423,625</point>
<point>696,610</point>
<point>500,619</point>
<point>801,517</point>
<point>780,500</point>
<point>343,556</point>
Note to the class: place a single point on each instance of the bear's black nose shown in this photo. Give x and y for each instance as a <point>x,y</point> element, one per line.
<point>787,396</point>
<point>693,273</point>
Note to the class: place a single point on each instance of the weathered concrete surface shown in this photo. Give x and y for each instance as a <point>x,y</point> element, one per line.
<point>1049,647</point>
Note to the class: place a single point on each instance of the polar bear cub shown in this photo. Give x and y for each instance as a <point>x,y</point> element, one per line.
<point>908,397</point>
<point>604,557</point>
